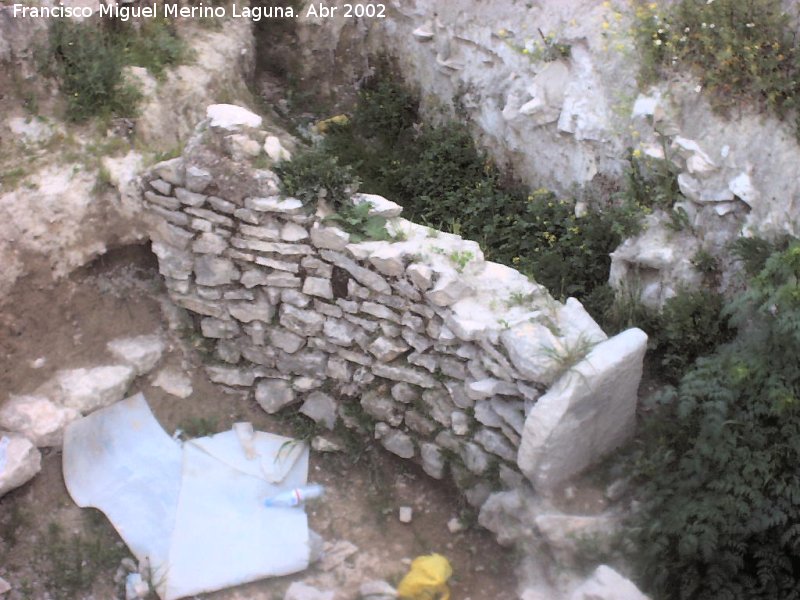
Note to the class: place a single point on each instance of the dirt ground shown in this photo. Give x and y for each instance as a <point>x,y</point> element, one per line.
<point>51,549</point>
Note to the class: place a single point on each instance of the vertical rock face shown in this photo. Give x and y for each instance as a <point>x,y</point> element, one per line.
<point>427,348</point>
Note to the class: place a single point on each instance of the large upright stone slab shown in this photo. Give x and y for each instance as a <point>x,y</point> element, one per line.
<point>588,412</point>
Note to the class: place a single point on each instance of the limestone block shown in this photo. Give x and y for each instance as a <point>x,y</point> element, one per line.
<point>302,322</point>
<point>566,534</point>
<point>364,276</point>
<point>37,418</point>
<point>213,270</point>
<point>448,290</point>
<point>606,584</point>
<point>331,238</point>
<point>381,207</point>
<point>587,413</point>
<point>381,407</point>
<point>317,286</point>
<point>496,443</point>
<point>295,298</point>
<point>197,179</point>
<point>173,262</point>
<point>305,362</point>
<point>531,348</point>
<point>273,394</point>
<point>209,243</point>
<point>167,202</point>
<point>190,198</point>
<point>387,349</point>
<point>229,117</point>
<point>302,591</point>
<point>288,206</point>
<point>420,275</point>
<point>174,381</point>
<point>475,459</point>
<point>432,460</point>
<point>141,352</point>
<point>267,229</point>
<point>20,460</point>
<point>171,171</point>
<point>292,232</point>
<point>394,440</point>
<point>86,390</point>
<point>231,375</point>
<point>321,408</point>
<point>419,423</point>
<point>388,259</point>
<point>275,150</point>
<point>246,312</point>
<point>219,328</point>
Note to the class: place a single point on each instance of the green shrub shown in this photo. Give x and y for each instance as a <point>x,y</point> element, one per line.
<point>356,220</point>
<point>88,65</point>
<point>315,173</point>
<point>87,60</point>
<point>720,502</point>
<point>691,324</point>
<point>154,46</point>
<point>740,49</point>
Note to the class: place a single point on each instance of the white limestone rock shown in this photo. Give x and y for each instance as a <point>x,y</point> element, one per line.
<point>432,460</point>
<point>331,238</point>
<point>174,381</point>
<point>141,352</point>
<point>292,232</point>
<point>381,407</point>
<point>86,390</point>
<point>273,394</point>
<point>230,117</point>
<point>275,150</point>
<point>37,418</point>
<point>317,286</point>
<point>388,259</point>
<point>302,591</point>
<point>213,270</point>
<point>387,349</point>
<point>606,584</point>
<point>381,207</point>
<point>448,290</point>
<point>231,375</point>
<point>20,460</point>
<point>197,179</point>
<point>595,401</point>
<point>394,440</point>
<point>567,535</point>
<point>321,408</point>
<point>420,275</point>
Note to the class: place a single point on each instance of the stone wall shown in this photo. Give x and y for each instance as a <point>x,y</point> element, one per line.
<point>440,355</point>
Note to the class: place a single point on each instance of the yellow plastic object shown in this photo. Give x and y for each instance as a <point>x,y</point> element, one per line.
<point>427,579</point>
<point>322,126</point>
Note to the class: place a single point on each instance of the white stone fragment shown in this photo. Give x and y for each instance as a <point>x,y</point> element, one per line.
<point>331,238</point>
<point>231,117</point>
<point>174,381</point>
<point>321,408</point>
<point>405,514</point>
<point>596,399</point>
<point>141,352</point>
<point>606,584</point>
<point>742,187</point>
<point>449,290</point>
<point>317,286</point>
<point>275,150</point>
<point>37,418</point>
<point>273,394</point>
<point>19,461</point>
<point>302,591</point>
<point>292,232</point>
<point>381,207</point>
<point>89,389</point>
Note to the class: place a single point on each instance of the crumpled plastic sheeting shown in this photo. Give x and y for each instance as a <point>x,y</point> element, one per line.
<point>194,511</point>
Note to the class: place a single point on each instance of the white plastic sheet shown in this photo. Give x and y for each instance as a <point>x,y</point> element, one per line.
<point>195,512</point>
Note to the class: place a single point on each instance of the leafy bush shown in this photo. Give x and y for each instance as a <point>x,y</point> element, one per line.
<point>692,324</point>
<point>87,61</point>
<point>740,49</point>
<point>88,65</point>
<point>316,173</point>
<point>356,220</point>
<point>720,511</point>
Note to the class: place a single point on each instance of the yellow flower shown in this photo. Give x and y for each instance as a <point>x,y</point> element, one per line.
<point>606,25</point>
<point>637,153</point>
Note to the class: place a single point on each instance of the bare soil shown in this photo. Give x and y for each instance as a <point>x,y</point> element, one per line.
<point>51,549</point>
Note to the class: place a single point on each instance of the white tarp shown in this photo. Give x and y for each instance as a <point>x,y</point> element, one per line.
<point>195,511</point>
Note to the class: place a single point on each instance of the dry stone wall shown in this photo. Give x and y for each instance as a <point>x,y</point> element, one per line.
<point>462,364</point>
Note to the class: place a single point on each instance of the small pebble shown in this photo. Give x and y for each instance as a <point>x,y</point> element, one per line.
<point>406,512</point>
<point>454,525</point>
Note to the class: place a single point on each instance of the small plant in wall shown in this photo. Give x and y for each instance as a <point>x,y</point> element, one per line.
<point>356,220</point>
<point>460,258</point>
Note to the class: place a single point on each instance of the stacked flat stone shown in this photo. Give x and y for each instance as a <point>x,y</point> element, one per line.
<point>444,354</point>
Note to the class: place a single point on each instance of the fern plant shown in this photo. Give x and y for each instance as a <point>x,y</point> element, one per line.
<point>720,513</point>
